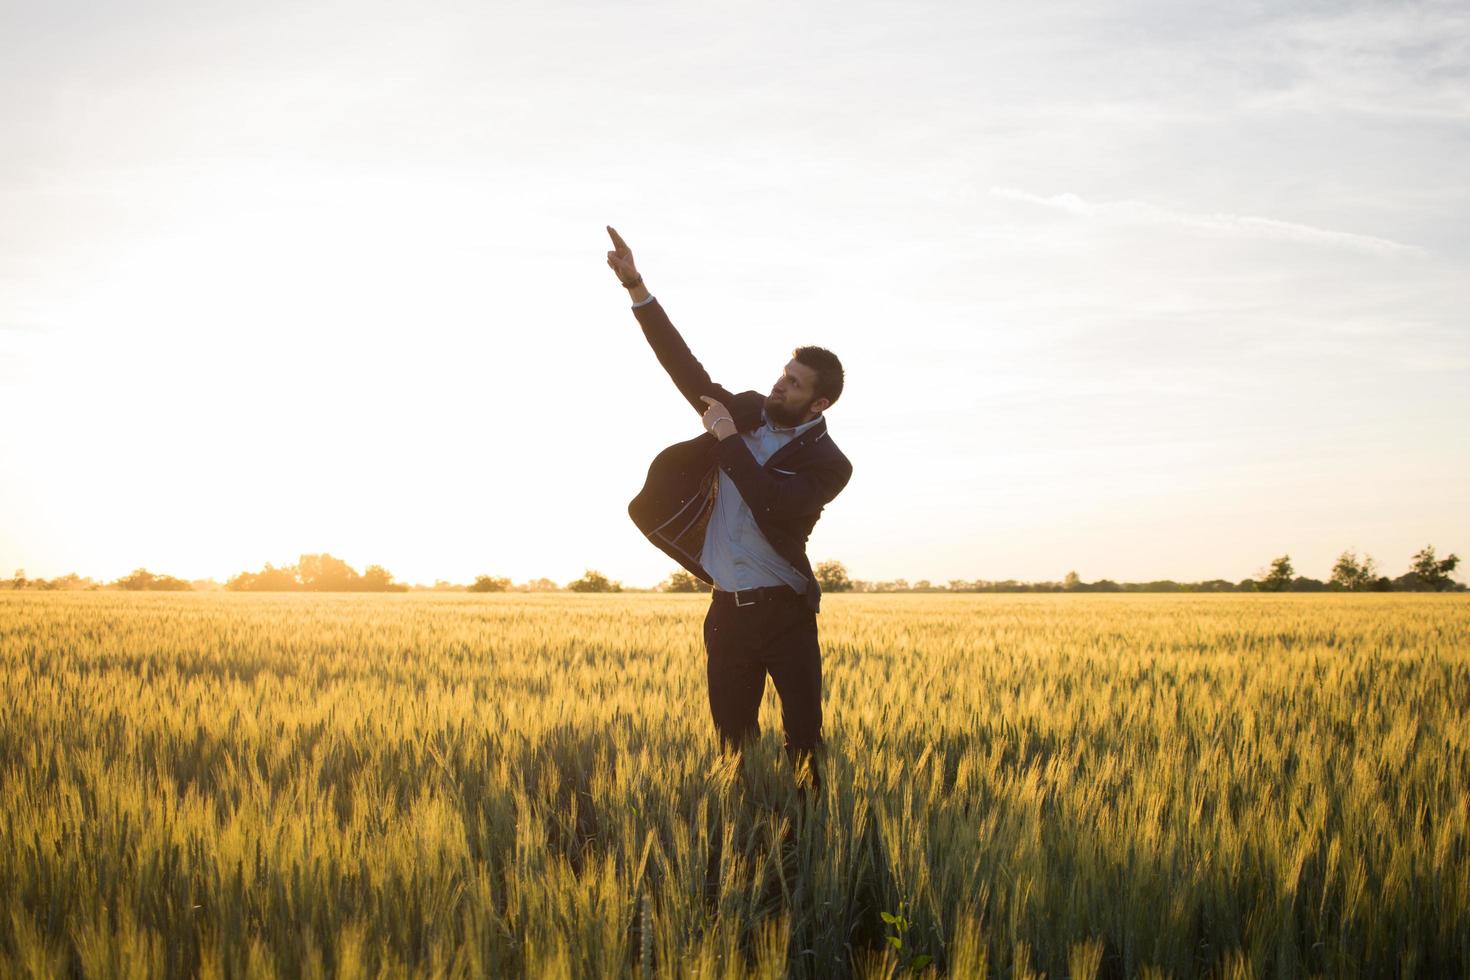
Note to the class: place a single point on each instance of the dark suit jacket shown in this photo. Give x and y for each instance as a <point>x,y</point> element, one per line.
<point>786,495</point>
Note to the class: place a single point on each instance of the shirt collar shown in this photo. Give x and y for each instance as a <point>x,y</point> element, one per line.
<point>794,431</point>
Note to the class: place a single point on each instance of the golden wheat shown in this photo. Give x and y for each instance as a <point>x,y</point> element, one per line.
<point>297,786</point>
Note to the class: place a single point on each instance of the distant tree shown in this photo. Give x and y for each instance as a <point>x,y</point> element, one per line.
<point>1072,583</point>
<point>1304,584</point>
<point>316,573</point>
<point>271,579</point>
<point>378,579</point>
<point>1353,574</point>
<point>1246,585</point>
<point>682,581</point>
<point>832,577</point>
<point>594,581</point>
<point>19,582</point>
<point>1278,579</point>
<point>142,580</point>
<point>1431,574</point>
<point>323,573</point>
<point>268,579</point>
<point>541,585</point>
<point>489,583</point>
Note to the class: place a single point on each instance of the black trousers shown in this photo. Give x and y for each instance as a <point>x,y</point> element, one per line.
<point>776,636</point>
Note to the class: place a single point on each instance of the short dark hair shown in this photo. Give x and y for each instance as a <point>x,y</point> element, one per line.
<point>828,369</point>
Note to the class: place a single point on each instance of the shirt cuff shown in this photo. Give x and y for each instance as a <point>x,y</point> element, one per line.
<point>643,302</point>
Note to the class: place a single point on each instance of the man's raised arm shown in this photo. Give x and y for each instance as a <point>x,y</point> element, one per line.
<point>688,375</point>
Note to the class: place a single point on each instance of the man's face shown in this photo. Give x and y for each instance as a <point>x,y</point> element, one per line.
<point>792,400</point>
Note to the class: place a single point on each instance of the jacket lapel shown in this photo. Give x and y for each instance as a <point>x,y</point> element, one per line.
<point>798,444</point>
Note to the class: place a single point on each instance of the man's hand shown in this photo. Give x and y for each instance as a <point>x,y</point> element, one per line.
<point>717,419</point>
<point>620,259</point>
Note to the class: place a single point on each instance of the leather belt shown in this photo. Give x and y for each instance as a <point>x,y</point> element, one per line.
<point>749,597</point>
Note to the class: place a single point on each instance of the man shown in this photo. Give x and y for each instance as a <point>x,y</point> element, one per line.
<point>735,506</point>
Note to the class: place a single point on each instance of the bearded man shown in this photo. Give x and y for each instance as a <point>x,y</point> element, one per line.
<point>735,507</point>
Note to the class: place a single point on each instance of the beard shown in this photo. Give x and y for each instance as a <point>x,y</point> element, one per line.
<point>785,416</point>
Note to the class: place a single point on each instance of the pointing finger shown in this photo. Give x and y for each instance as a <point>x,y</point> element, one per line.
<point>616,238</point>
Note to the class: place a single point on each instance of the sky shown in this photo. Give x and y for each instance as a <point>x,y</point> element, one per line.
<point>1137,289</point>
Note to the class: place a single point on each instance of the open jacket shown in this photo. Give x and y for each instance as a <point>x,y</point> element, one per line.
<point>785,496</point>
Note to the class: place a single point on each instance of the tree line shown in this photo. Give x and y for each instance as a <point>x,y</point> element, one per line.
<point>1351,573</point>
<point>310,573</point>
<point>139,580</point>
<point>323,573</point>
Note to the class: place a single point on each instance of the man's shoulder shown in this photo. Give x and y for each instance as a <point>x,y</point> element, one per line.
<point>827,445</point>
<point>823,451</point>
<point>746,407</point>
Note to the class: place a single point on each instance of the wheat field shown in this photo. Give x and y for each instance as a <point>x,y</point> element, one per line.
<point>232,785</point>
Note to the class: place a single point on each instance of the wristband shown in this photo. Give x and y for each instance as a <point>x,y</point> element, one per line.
<point>722,418</point>
<point>634,284</point>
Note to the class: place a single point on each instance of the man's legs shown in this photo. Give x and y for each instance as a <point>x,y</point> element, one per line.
<point>743,644</point>
<point>736,677</point>
<point>794,659</point>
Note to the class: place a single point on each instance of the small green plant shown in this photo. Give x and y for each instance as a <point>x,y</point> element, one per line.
<point>900,924</point>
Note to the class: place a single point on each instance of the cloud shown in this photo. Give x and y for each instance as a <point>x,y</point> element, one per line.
<point>1239,225</point>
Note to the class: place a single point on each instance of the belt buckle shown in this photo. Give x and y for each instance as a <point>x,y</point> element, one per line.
<point>740,604</point>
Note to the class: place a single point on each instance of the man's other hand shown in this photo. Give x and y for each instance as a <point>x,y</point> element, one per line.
<point>717,419</point>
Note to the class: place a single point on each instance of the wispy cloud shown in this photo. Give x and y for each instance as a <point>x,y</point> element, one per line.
<point>1240,225</point>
